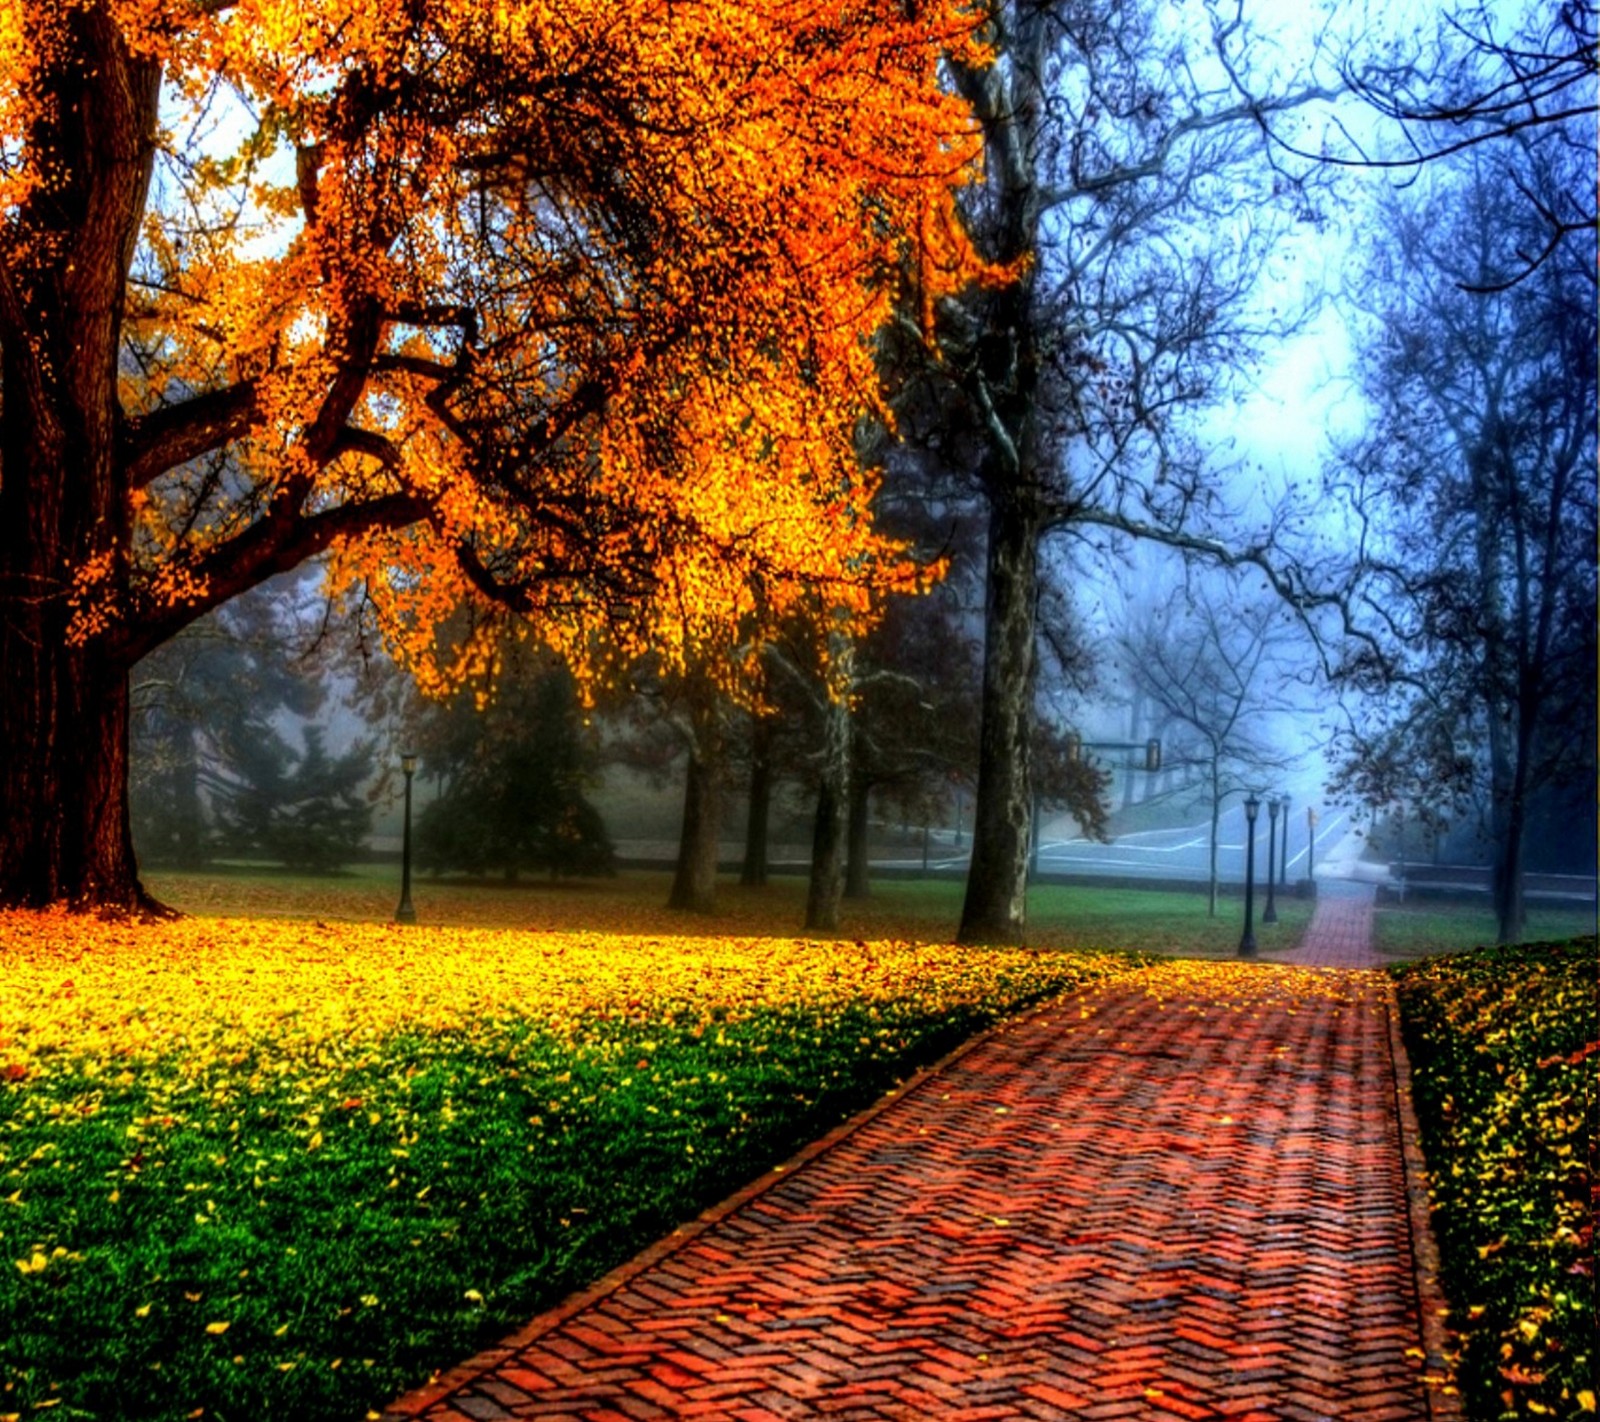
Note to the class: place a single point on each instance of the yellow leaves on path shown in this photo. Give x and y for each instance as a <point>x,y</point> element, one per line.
<point>1195,985</point>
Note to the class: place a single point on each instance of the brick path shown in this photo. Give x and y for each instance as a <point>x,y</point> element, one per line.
<point>1340,932</point>
<point>1178,1196</point>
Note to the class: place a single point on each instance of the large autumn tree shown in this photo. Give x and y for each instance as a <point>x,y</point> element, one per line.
<point>560,306</point>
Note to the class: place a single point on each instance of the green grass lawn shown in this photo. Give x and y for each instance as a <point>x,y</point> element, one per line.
<point>283,1162</point>
<point>284,1168</point>
<point>1505,1048</point>
<point>907,910</point>
<point>1425,927</point>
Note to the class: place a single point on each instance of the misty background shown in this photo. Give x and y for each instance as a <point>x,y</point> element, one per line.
<point>1322,436</point>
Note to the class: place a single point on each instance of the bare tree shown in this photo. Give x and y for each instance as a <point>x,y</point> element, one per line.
<point>1476,490</point>
<point>1487,76</point>
<point>1127,189</point>
<point>1215,667</point>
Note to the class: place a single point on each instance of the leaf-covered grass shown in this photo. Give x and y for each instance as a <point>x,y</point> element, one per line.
<point>1423,928</point>
<point>907,910</point>
<point>1505,1046</point>
<point>280,1169</point>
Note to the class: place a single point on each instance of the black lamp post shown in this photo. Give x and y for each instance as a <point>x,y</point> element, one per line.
<point>1283,874</point>
<point>405,913</point>
<point>1270,913</point>
<point>1247,941</point>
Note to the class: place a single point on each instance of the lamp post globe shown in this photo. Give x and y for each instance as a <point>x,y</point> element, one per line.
<point>1247,940</point>
<point>404,913</point>
<point>1270,913</point>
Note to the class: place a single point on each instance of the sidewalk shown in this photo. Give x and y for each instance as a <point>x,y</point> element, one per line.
<point>1179,1196</point>
<point>1340,932</point>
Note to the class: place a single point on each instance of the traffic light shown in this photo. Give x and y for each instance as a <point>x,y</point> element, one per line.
<point>1152,755</point>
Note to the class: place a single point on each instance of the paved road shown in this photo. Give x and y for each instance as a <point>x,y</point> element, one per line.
<point>1181,853</point>
<point>1181,1195</point>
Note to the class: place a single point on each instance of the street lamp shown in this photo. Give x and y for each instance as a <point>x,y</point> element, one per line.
<point>1247,942</point>
<point>1271,913</point>
<point>1283,875</point>
<point>404,913</point>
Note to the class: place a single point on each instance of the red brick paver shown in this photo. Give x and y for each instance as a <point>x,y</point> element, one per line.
<point>1340,932</point>
<point>1179,1196</point>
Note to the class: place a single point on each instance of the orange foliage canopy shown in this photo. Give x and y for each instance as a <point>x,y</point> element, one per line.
<point>564,304</point>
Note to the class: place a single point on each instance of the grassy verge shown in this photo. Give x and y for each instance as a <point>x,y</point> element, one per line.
<point>924,911</point>
<point>259,1168</point>
<point>1506,1063</point>
<point>1424,928</point>
<point>1153,921</point>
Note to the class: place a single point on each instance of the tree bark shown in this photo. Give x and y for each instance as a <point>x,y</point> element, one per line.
<point>995,907</point>
<point>826,886</point>
<point>64,497</point>
<point>754,872</point>
<point>64,836</point>
<point>694,882</point>
<point>1003,385</point>
<point>857,875</point>
<point>1511,910</point>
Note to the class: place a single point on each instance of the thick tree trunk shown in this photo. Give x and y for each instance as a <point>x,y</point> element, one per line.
<point>694,884</point>
<point>995,908</point>
<point>64,832</point>
<point>1511,909</point>
<point>826,887</point>
<point>857,874</point>
<point>1511,916</point>
<point>754,871</point>
<point>1004,383</point>
<point>65,518</point>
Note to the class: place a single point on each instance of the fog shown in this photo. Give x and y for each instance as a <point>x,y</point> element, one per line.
<point>1294,464</point>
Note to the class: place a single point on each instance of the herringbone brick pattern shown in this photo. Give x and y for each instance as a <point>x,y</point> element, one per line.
<point>1340,932</point>
<point>1178,1196</point>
